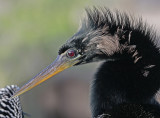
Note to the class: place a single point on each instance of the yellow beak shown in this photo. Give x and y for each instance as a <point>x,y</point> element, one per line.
<point>61,63</point>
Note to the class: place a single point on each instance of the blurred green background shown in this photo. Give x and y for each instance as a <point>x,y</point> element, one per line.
<point>31,31</point>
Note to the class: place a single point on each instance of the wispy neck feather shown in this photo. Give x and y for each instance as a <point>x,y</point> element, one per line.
<point>134,36</point>
<point>134,76</point>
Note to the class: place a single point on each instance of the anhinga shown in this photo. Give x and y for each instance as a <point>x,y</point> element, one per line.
<point>126,83</point>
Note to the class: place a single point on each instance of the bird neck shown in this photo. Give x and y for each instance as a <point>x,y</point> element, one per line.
<point>137,66</point>
<point>132,78</point>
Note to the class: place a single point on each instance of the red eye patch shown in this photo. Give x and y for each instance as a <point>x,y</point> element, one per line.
<point>71,53</point>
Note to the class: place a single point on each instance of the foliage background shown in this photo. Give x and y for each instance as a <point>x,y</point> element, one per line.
<point>31,31</point>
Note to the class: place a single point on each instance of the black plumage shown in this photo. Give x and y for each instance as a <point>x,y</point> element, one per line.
<point>127,82</point>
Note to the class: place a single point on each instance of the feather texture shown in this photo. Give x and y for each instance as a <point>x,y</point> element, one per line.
<point>10,108</point>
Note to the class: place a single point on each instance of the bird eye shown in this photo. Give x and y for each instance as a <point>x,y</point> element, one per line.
<point>71,53</point>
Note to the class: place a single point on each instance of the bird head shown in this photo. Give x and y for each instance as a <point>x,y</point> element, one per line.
<point>93,41</point>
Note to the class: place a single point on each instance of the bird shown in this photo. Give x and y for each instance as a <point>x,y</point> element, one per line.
<point>10,108</point>
<point>127,81</point>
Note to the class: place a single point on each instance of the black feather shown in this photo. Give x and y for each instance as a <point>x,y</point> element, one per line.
<point>127,82</point>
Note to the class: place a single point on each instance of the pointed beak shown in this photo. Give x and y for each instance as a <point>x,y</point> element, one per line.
<point>61,63</point>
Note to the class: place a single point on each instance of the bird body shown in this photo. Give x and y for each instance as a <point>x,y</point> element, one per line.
<point>121,94</point>
<point>126,83</point>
